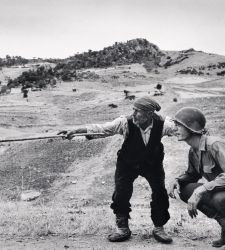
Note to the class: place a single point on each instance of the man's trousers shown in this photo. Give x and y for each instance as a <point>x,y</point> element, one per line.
<point>124,178</point>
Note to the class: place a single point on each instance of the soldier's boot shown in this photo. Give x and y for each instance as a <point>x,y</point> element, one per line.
<point>161,236</point>
<point>123,231</point>
<point>220,242</point>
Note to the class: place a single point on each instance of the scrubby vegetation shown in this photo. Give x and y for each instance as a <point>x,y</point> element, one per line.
<point>39,78</point>
<point>204,69</point>
<point>133,51</point>
<point>183,54</point>
<point>11,61</point>
<point>190,70</point>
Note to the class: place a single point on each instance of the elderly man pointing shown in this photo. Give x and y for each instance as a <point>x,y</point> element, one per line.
<point>142,153</point>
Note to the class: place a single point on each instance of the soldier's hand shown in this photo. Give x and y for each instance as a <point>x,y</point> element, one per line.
<point>192,205</point>
<point>194,200</point>
<point>174,186</point>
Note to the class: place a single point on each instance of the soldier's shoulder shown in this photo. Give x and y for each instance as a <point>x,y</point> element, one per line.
<point>213,140</point>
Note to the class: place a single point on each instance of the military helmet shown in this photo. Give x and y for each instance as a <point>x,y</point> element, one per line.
<point>192,119</point>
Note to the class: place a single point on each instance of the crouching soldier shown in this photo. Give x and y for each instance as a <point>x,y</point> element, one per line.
<point>141,154</point>
<point>206,159</point>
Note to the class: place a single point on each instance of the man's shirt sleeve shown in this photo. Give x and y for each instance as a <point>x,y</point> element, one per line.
<point>218,153</point>
<point>169,127</point>
<point>117,126</point>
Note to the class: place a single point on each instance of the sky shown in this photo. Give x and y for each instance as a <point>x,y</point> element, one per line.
<point>62,28</point>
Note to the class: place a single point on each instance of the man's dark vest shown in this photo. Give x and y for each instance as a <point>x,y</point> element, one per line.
<point>135,152</point>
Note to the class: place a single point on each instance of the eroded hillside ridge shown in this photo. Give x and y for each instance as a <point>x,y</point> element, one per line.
<point>81,66</point>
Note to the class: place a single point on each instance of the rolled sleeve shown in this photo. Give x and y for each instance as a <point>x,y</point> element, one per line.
<point>217,183</point>
<point>117,126</point>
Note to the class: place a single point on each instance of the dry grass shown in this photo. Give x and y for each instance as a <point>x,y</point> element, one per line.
<point>20,219</point>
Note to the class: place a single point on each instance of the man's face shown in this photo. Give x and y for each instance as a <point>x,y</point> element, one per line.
<point>140,117</point>
<point>182,133</point>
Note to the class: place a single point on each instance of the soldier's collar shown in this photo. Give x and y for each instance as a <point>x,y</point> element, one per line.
<point>202,143</point>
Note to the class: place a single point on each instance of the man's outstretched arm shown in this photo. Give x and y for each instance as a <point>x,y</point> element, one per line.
<point>117,126</point>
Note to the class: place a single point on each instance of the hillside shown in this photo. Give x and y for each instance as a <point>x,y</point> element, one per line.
<point>75,178</point>
<point>133,51</point>
<point>77,67</point>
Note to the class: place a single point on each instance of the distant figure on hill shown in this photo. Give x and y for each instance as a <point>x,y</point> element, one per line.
<point>206,159</point>
<point>142,153</point>
<point>25,92</point>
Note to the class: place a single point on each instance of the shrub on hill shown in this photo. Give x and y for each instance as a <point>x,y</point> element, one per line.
<point>39,78</point>
<point>221,73</point>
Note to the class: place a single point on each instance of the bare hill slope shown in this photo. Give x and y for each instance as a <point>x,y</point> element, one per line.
<point>76,178</point>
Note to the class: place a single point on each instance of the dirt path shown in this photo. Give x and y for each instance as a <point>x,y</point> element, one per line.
<point>100,243</point>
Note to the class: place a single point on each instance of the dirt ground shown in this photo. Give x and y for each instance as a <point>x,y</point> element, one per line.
<point>99,243</point>
<point>79,173</point>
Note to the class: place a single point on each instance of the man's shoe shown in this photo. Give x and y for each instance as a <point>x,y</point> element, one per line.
<point>221,241</point>
<point>122,234</point>
<point>161,236</point>
<point>123,231</point>
<point>218,243</point>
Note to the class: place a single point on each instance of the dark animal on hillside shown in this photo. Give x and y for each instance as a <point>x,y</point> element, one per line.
<point>111,105</point>
<point>130,97</point>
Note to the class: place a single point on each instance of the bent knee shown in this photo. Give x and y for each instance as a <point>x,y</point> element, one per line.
<point>218,199</point>
<point>183,197</point>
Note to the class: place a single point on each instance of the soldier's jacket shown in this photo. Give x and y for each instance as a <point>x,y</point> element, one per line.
<point>208,161</point>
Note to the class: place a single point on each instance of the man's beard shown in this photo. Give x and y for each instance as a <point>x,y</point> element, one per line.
<point>135,122</point>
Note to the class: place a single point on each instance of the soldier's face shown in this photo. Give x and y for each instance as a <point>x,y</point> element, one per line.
<point>182,133</point>
<point>140,117</point>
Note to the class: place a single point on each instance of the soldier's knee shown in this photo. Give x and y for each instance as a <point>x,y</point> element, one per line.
<point>183,197</point>
<point>218,200</point>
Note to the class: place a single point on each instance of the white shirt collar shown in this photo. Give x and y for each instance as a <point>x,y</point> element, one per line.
<point>147,129</point>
